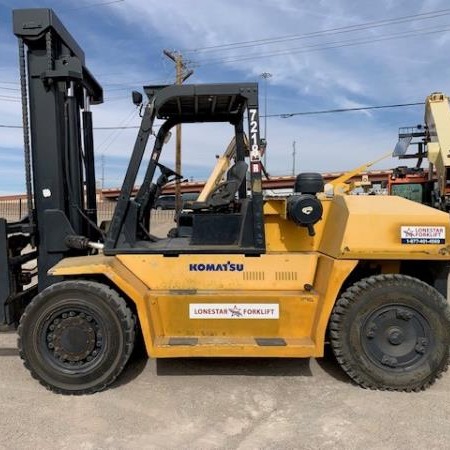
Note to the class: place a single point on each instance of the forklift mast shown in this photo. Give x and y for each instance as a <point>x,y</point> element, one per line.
<point>57,91</point>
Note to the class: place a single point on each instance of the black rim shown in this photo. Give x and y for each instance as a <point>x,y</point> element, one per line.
<point>73,340</point>
<point>396,337</point>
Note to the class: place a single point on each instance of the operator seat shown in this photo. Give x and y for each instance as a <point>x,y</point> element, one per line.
<point>225,192</point>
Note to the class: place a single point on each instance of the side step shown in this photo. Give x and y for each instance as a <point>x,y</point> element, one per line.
<point>183,341</point>
<point>268,342</point>
<point>263,342</point>
<point>185,346</point>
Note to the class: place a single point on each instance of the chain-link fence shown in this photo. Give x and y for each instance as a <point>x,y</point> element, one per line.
<point>15,210</point>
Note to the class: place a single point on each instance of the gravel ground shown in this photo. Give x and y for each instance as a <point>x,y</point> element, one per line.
<point>220,403</point>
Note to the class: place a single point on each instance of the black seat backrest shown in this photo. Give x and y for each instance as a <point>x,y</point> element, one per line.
<point>225,192</point>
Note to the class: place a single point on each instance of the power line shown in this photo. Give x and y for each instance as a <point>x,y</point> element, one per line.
<point>132,83</point>
<point>118,127</point>
<point>9,99</point>
<point>325,46</point>
<point>95,128</point>
<point>111,137</point>
<point>341,110</point>
<point>9,89</point>
<point>329,31</point>
<point>106,85</point>
<point>107,99</point>
<point>92,5</point>
<point>281,115</point>
<point>9,96</point>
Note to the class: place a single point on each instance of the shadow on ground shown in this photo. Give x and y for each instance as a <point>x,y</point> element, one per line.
<point>330,365</point>
<point>7,351</point>
<point>251,367</point>
<point>135,366</point>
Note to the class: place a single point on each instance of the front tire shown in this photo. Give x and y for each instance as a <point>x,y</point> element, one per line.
<point>391,332</point>
<point>75,337</point>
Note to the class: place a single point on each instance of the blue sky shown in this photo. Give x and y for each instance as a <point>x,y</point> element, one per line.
<point>123,44</point>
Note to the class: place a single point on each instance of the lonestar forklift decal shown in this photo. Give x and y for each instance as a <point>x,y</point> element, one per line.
<point>422,235</point>
<point>234,311</point>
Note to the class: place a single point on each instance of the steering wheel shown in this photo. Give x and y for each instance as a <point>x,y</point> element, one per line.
<point>155,189</point>
<point>167,172</point>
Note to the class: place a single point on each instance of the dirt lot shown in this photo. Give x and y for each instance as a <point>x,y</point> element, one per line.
<point>220,403</point>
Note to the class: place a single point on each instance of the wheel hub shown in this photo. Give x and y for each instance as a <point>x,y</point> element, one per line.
<point>74,338</point>
<point>396,336</point>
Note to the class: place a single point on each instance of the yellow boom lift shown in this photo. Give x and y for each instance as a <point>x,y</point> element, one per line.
<point>431,141</point>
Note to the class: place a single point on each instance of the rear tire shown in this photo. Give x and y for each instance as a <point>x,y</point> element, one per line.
<point>391,332</point>
<point>75,337</point>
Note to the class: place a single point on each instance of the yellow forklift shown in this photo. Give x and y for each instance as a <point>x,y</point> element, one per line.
<point>240,276</point>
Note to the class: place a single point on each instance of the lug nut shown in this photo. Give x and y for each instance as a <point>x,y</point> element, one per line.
<point>404,315</point>
<point>389,361</point>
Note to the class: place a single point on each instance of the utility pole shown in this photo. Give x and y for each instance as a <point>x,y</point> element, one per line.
<point>293,159</point>
<point>103,171</point>
<point>182,74</point>
<point>265,76</point>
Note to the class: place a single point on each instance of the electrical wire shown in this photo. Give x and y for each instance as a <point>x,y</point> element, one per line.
<point>9,97</point>
<point>329,31</point>
<point>341,110</point>
<point>9,89</point>
<point>288,38</point>
<point>281,115</point>
<point>16,100</point>
<point>92,5</point>
<point>10,126</point>
<point>107,142</point>
<point>325,46</point>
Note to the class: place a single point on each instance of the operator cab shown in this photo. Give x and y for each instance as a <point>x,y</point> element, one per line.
<point>224,219</point>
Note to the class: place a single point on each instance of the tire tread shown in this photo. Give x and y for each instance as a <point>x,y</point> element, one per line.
<point>349,297</point>
<point>119,306</point>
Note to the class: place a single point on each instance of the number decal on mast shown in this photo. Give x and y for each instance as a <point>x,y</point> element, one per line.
<point>255,155</point>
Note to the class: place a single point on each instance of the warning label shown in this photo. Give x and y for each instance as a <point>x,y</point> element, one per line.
<point>422,235</point>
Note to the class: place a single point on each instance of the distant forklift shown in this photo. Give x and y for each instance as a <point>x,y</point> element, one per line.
<point>239,276</point>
